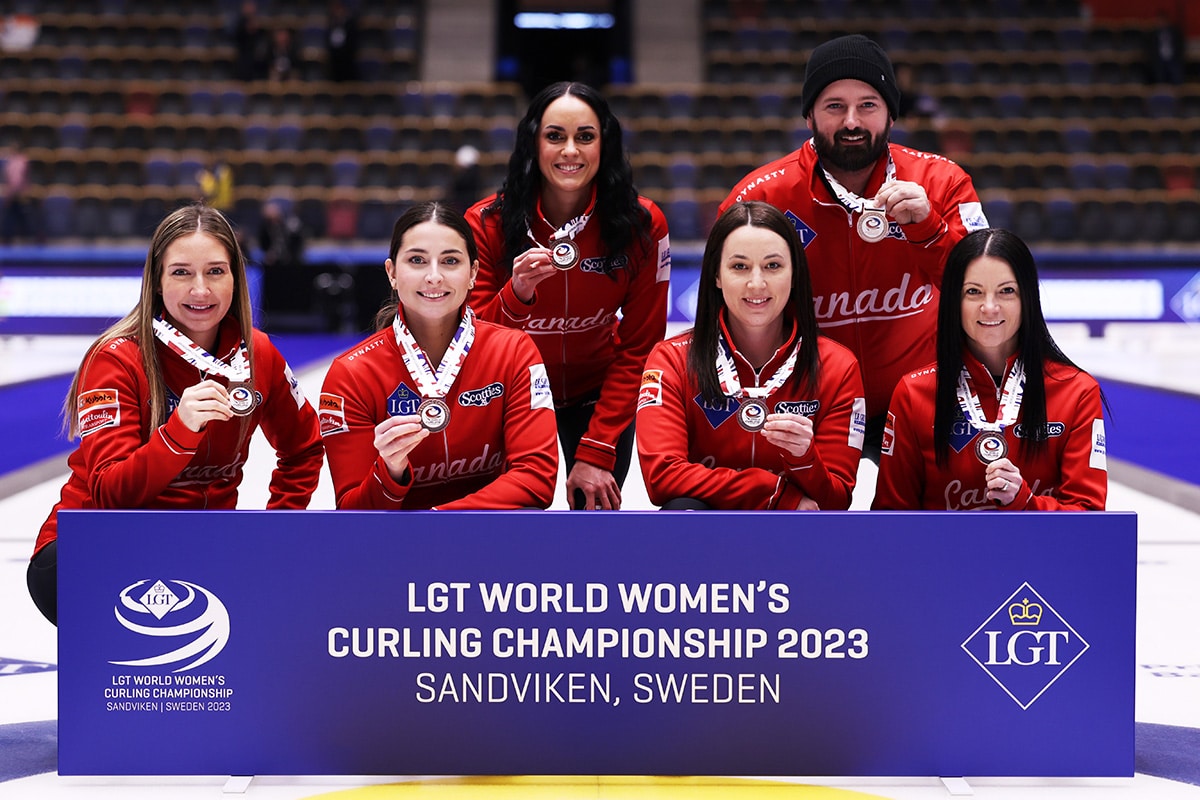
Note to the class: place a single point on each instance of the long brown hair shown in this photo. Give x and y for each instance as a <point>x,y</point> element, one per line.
<point>138,324</point>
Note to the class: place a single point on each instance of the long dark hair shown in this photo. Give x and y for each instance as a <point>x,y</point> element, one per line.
<point>710,301</point>
<point>622,219</point>
<point>139,323</point>
<point>1035,345</point>
<point>429,211</point>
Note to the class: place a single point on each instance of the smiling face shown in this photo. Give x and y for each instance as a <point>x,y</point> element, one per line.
<point>568,147</point>
<point>850,125</point>
<point>991,310</point>
<point>432,273</point>
<point>197,286</point>
<point>755,279</point>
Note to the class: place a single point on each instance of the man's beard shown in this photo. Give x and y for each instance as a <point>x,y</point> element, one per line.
<point>850,159</point>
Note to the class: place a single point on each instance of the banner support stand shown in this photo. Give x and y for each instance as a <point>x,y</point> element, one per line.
<point>237,784</point>
<point>958,787</point>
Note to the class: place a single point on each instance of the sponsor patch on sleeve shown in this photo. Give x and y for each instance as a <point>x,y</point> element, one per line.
<point>540,395</point>
<point>664,260</point>
<point>972,216</point>
<point>858,422</point>
<point>1098,459</point>
<point>331,413</point>
<point>889,435</point>
<point>293,385</point>
<point>650,394</point>
<point>98,408</point>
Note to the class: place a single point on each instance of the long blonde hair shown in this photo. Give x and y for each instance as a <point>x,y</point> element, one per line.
<point>138,324</point>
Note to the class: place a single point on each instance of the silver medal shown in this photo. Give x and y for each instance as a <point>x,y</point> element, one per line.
<point>752,415</point>
<point>242,399</point>
<point>564,253</point>
<point>872,225</point>
<point>434,414</point>
<point>991,447</point>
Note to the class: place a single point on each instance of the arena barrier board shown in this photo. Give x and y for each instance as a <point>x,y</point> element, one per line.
<point>660,643</point>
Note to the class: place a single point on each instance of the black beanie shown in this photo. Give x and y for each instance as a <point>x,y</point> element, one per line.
<point>853,56</point>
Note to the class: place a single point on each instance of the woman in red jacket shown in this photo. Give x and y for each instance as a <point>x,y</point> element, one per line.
<point>166,400</point>
<point>438,409</point>
<point>751,409</point>
<point>1002,419</point>
<point>569,253</point>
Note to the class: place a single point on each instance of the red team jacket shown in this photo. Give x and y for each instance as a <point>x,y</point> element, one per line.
<point>1070,473</point>
<point>121,463</point>
<point>879,299</point>
<point>689,448</point>
<point>593,331</point>
<point>499,451</point>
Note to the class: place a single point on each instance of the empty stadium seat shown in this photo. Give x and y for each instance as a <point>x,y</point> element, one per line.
<point>341,219</point>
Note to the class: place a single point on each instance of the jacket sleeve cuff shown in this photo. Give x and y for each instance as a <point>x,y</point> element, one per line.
<point>787,496</point>
<point>393,491</point>
<point>1022,500</point>
<point>927,230</point>
<point>603,457</point>
<point>179,437</point>
<point>514,309</point>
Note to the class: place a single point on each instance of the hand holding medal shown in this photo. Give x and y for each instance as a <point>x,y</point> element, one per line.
<point>529,269</point>
<point>790,432</point>
<point>395,438</point>
<point>239,398</point>
<point>1003,481</point>
<point>904,201</point>
<point>562,252</point>
<point>205,402</point>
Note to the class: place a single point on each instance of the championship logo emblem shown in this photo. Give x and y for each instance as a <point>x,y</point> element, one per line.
<point>191,622</point>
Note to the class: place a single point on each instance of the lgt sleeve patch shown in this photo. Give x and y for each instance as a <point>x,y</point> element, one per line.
<point>1098,458</point>
<point>663,272</point>
<point>540,395</point>
<point>858,423</point>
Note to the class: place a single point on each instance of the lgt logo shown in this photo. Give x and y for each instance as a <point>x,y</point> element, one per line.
<point>1025,646</point>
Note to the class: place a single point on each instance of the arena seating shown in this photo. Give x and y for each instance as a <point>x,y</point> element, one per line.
<point>120,103</point>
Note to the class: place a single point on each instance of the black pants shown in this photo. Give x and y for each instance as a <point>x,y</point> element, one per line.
<point>686,504</point>
<point>572,425</point>
<point>42,579</point>
<point>873,440</point>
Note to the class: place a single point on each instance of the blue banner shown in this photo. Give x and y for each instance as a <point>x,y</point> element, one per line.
<point>660,643</point>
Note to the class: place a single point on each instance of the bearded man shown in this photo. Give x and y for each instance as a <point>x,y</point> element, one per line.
<point>876,219</point>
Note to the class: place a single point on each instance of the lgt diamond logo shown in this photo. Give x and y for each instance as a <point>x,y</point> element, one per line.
<point>1187,302</point>
<point>1025,646</point>
<point>159,599</point>
<point>806,233</point>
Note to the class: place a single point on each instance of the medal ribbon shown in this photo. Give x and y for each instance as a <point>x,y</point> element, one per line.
<point>237,370</point>
<point>431,381</point>
<point>848,198</point>
<point>572,229</point>
<point>727,375</point>
<point>1010,399</point>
